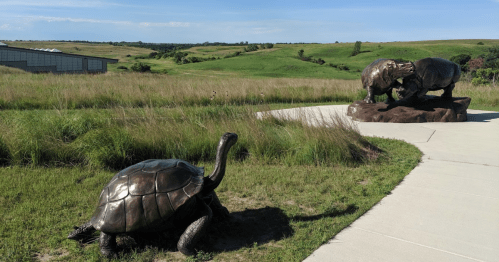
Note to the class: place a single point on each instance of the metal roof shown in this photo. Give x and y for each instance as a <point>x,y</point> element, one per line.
<point>109,60</point>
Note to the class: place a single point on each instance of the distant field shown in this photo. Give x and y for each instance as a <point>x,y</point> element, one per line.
<point>281,61</point>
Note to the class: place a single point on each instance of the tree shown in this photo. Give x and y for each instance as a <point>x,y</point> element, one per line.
<point>251,47</point>
<point>356,48</point>
<point>140,67</point>
<point>492,58</point>
<point>177,57</point>
<point>300,53</point>
<point>475,64</point>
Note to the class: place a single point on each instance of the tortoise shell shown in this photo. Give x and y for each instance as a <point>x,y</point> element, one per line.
<point>141,195</point>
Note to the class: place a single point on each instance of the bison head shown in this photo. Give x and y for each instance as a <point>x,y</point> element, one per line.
<point>403,69</point>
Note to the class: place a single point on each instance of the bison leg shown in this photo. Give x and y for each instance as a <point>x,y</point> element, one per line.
<point>448,91</point>
<point>195,231</point>
<point>422,93</point>
<point>107,243</point>
<point>370,95</point>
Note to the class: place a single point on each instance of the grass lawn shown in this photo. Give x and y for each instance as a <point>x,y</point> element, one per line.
<point>278,212</point>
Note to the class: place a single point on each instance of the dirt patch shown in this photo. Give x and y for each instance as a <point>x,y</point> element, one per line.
<point>365,182</point>
<point>236,203</point>
<point>302,207</point>
<point>49,255</point>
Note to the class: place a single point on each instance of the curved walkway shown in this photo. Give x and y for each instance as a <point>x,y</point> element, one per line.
<point>446,209</point>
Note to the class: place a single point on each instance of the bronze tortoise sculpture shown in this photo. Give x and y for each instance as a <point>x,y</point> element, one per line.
<point>156,195</point>
<point>380,77</point>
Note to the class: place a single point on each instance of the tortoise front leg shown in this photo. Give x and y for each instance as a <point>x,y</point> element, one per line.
<point>107,243</point>
<point>195,230</point>
<point>219,211</point>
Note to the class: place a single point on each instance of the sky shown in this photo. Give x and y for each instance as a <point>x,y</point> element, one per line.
<point>255,21</point>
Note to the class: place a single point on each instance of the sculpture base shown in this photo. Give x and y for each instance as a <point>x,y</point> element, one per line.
<point>431,109</point>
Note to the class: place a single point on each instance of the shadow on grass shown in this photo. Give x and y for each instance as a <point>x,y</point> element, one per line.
<point>243,229</point>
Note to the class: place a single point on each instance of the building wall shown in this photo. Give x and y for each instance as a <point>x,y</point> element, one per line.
<point>40,61</point>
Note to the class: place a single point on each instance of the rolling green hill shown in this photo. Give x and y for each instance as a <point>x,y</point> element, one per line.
<point>280,61</point>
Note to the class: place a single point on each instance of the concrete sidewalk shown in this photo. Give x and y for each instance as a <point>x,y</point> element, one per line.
<point>446,209</point>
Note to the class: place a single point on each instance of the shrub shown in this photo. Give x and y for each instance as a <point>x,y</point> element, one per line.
<point>233,55</point>
<point>484,76</point>
<point>266,45</point>
<point>251,47</point>
<point>477,81</point>
<point>306,58</point>
<point>122,67</point>
<point>300,53</point>
<point>461,59</point>
<point>343,67</point>
<point>476,63</point>
<point>480,43</point>
<point>177,57</point>
<point>140,67</point>
<point>356,48</point>
<point>319,61</point>
<point>492,58</point>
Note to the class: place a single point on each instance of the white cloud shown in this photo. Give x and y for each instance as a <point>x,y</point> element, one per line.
<point>5,27</point>
<point>48,3</point>
<point>169,24</point>
<point>263,30</point>
<point>51,19</point>
<point>75,20</point>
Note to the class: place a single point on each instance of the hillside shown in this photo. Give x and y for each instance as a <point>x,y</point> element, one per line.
<point>280,61</point>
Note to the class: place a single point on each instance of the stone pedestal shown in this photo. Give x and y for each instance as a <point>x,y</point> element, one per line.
<point>431,109</point>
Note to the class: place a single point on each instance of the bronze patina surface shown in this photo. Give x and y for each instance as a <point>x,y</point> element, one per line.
<point>431,74</point>
<point>156,195</point>
<point>432,109</point>
<point>380,77</point>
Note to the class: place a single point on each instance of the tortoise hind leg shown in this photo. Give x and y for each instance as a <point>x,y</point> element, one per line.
<point>107,243</point>
<point>195,230</point>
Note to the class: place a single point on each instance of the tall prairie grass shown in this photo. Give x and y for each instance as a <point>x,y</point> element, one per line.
<point>47,91</point>
<point>19,90</point>
<point>116,138</point>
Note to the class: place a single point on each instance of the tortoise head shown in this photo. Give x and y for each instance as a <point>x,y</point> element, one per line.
<point>403,69</point>
<point>211,182</point>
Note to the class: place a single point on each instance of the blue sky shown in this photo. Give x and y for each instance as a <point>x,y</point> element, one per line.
<point>255,21</point>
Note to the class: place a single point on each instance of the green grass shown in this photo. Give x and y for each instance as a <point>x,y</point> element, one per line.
<point>279,212</point>
<point>120,137</point>
<point>280,61</point>
<point>291,186</point>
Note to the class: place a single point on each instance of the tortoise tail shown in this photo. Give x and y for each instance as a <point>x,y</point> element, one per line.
<point>83,233</point>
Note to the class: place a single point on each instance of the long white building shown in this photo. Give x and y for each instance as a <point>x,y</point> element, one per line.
<point>55,61</point>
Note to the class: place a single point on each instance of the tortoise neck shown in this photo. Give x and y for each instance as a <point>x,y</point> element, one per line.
<point>218,173</point>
